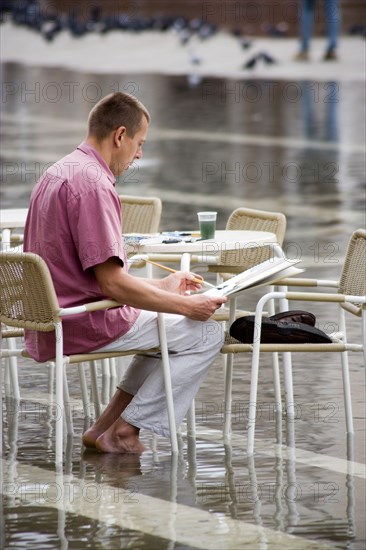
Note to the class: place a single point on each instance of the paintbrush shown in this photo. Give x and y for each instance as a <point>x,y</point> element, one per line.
<point>199,281</point>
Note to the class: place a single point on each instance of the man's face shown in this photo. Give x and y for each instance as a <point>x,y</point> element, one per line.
<point>130,149</point>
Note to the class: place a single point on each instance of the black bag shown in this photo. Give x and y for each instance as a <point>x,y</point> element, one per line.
<point>276,330</point>
<point>295,316</point>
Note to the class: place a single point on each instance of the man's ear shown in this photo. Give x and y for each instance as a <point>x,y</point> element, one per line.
<point>119,135</point>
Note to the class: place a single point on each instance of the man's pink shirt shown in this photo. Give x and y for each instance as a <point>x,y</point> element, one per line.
<point>74,223</point>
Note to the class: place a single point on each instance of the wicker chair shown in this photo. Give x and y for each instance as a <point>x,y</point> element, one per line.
<point>350,296</point>
<point>29,301</point>
<point>140,214</point>
<point>232,262</point>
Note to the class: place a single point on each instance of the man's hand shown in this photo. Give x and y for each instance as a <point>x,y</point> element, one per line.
<point>201,307</point>
<point>152,295</point>
<point>180,282</point>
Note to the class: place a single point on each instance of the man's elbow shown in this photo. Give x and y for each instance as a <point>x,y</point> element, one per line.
<point>108,276</point>
<point>110,289</point>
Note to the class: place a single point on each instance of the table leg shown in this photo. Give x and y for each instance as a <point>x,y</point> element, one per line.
<point>185,265</point>
<point>185,262</point>
<point>5,239</point>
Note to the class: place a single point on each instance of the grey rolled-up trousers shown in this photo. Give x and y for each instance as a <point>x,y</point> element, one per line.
<point>192,347</point>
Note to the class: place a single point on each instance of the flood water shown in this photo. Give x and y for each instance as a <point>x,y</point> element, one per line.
<point>294,147</point>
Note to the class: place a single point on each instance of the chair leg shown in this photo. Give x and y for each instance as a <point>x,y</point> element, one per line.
<point>105,367</point>
<point>168,383</point>
<point>106,374</point>
<point>275,366</point>
<point>13,371</point>
<point>50,378</point>
<point>254,378</point>
<point>276,383</point>
<point>6,378</point>
<point>84,391</point>
<point>67,404</point>
<point>59,400</point>
<point>51,396</point>
<point>112,365</point>
<point>66,396</point>
<point>289,399</point>
<point>94,386</point>
<point>347,393</point>
<point>252,413</point>
<point>289,391</point>
<point>191,420</point>
<point>287,368</point>
<point>228,394</point>
<point>228,384</point>
<point>113,378</point>
<point>345,377</point>
<point>185,265</point>
<point>105,389</point>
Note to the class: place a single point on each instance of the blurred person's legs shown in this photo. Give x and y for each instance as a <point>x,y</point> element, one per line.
<point>306,28</point>
<point>332,23</point>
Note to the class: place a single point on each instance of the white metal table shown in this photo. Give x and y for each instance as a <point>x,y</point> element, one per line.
<point>11,218</point>
<point>209,250</point>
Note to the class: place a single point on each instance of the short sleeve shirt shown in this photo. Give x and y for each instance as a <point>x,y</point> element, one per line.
<point>75,223</point>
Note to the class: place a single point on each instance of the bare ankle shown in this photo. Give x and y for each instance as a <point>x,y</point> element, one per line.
<point>120,438</point>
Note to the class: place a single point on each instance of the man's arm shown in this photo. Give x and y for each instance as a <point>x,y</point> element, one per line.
<point>126,289</point>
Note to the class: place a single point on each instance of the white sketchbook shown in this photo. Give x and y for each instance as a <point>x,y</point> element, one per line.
<point>264,273</point>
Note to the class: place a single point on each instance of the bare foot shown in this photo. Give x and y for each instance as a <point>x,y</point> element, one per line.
<point>121,437</point>
<point>89,438</point>
<point>118,403</point>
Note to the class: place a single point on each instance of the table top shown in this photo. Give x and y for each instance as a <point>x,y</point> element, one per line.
<point>11,218</point>
<point>224,240</point>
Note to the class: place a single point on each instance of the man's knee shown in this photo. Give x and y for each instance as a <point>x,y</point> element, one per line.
<point>212,334</point>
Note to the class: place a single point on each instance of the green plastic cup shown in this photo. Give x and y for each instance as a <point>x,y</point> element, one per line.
<point>207,221</point>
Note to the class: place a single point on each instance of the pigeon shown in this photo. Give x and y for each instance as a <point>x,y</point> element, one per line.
<point>245,43</point>
<point>184,36</point>
<point>195,59</point>
<point>251,63</point>
<point>268,59</point>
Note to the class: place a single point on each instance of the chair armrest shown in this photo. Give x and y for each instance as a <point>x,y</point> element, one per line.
<point>307,282</point>
<point>92,306</point>
<point>324,297</point>
<point>307,297</point>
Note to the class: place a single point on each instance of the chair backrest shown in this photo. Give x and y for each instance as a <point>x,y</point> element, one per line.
<point>253,220</point>
<point>353,276</point>
<point>140,214</point>
<point>27,297</point>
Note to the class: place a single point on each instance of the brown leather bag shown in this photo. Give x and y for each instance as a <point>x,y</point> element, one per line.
<point>278,330</point>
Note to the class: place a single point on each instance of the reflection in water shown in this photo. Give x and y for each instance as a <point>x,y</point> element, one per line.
<point>84,502</point>
<point>327,127</point>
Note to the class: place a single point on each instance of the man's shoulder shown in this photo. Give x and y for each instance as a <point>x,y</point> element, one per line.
<point>69,166</point>
<point>80,173</point>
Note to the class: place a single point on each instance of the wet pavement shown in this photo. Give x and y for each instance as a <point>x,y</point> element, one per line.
<point>295,147</point>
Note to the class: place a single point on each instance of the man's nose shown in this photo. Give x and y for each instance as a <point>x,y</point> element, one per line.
<point>138,154</point>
